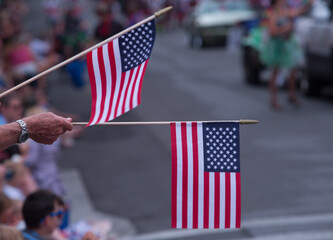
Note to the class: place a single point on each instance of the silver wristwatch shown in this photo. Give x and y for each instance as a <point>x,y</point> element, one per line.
<point>24,135</point>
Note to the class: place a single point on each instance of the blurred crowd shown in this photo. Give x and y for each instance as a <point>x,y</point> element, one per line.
<point>26,170</point>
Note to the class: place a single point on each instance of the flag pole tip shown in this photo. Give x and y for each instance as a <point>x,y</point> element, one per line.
<point>248,121</point>
<point>162,11</point>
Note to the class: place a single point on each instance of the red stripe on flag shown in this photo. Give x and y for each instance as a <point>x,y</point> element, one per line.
<point>185,175</point>
<point>133,88</point>
<point>217,201</point>
<point>206,201</point>
<point>173,176</point>
<point>122,80</point>
<point>141,80</point>
<point>195,174</point>
<point>127,90</point>
<point>92,86</point>
<point>113,77</point>
<point>238,200</point>
<point>101,66</point>
<point>227,200</point>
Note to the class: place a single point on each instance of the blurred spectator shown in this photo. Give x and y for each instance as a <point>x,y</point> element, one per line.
<point>17,213</point>
<point>282,50</point>
<point>108,25</point>
<point>75,37</point>
<point>8,29</point>
<point>3,78</point>
<point>53,10</point>
<point>117,12</point>
<point>21,61</point>
<point>6,210</point>
<point>42,161</point>
<point>12,191</point>
<point>42,213</point>
<point>12,153</point>
<point>11,108</point>
<point>19,181</point>
<point>9,233</point>
<point>72,37</point>
<point>40,47</point>
<point>136,11</point>
<point>260,4</point>
<point>2,177</point>
<point>11,212</point>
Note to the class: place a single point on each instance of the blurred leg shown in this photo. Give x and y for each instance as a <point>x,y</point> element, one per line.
<point>292,87</point>
<point>273,89</point>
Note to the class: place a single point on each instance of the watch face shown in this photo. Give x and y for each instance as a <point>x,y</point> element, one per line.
<point>24,137</point>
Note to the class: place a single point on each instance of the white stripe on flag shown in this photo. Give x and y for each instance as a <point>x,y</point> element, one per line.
<point>118,76</point>
<point>222,200</point>
<point>232,200</point>
<point>98,85</point>
<point>201,176</point>
<point>190,176</point>
<point>137,84</point>
<point>128,97</point>
<point>108,82</point>
<point>179,175</point>
<point>122,96</point>
<point>211,199</point>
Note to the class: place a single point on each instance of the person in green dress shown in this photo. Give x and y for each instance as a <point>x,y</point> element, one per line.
<point>282,51</point>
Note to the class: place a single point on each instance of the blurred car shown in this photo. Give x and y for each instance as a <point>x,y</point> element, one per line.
<point>252,45</point>
<point>211,20</point>
<point>318,47</point>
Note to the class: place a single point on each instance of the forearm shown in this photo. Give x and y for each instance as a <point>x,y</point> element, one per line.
<point>9,134</point>
<point>42,128</point>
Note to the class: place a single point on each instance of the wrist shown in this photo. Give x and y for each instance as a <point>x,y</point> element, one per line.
<point>24,134</point>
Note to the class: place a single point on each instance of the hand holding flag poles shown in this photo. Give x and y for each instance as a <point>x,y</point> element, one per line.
<point>152,17</point>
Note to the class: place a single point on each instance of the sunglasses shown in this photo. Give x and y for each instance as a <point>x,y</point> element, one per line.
<point>58,214</point>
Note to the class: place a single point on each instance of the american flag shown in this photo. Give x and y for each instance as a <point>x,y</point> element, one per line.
<point>116,71</point>
<point>206,190</point>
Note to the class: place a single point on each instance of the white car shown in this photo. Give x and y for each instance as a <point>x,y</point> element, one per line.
<point>211,19</point>
<point>316,35</point>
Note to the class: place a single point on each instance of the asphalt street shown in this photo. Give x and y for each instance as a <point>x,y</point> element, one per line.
<point>286,159</point>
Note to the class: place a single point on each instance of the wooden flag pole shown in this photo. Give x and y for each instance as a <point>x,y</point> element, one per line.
<point>59,65</point>
<point>242,121</point>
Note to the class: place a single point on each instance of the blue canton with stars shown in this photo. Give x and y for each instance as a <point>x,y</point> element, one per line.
<point>136,45</point>
<point>221,147</point>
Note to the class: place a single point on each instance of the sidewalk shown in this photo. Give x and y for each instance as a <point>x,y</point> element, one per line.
<point>82,207</point>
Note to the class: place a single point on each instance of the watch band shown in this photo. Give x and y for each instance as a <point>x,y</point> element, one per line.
<point>24,131</point>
